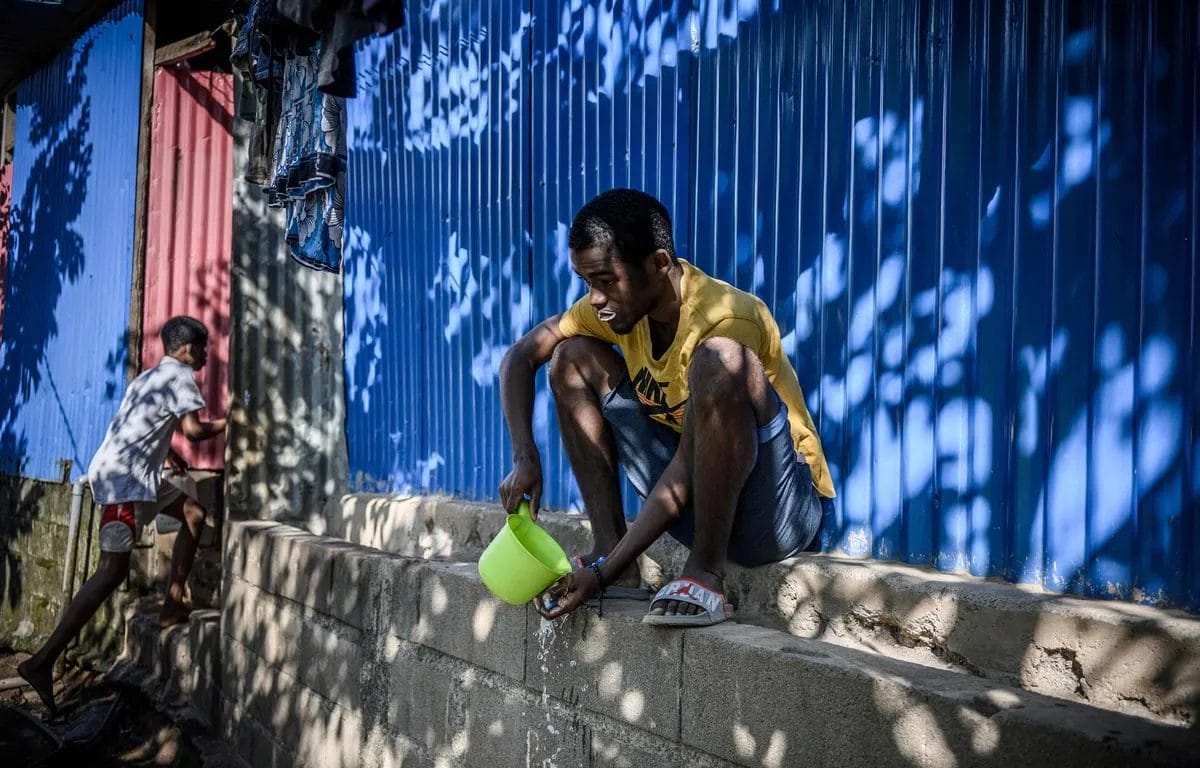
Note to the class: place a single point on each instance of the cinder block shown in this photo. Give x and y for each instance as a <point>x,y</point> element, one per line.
<point>393,587</point>
<point>247,742</point>
<point>299,719</point>
<point>460,618</point>
<point>387,750</point>
<point>606,750</point>
<point>351,597</point>
<point>303,568</point>
<point>788,707</point>
<point>279,634</point>
<point>238,619</point>
<point>141,643</point>
<point>496,725</point>
<point>331,658</point>
<point>248,739</point>
<point>175,682</point>
<point>456,529</point>
<point>416,701</point>
<point>245,543</point>
<point>204,636</point>
<point>238,682</point>
<point>791,701</point>
<point>234,666</point>
<point>343,739</point>
<point>386,522</point>
<point>612,665</point>
<point>227,727</point>
<point>266,752</point>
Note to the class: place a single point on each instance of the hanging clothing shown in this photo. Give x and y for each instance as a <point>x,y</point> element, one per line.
<point>308,175</point>
<point>297,147</point>
<point>298,58</point>
<point>262,43</point>
<point>340,23</point>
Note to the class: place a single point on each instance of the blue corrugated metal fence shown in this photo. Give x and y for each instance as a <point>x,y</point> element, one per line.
<point>62,354</point>
<point>975,222</point>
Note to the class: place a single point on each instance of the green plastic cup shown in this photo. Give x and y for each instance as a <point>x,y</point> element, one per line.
<point>522,560</point>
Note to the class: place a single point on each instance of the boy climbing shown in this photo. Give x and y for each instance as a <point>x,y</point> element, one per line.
<point>701,408</point>
<point>126,476</point>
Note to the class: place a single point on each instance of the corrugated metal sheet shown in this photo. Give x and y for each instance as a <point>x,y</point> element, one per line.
<point>976,224</point>
<point>287,447</point>
<point>5,200</point>
<point>440,279</point>
<point>188,229</point>
<point>62,357</point>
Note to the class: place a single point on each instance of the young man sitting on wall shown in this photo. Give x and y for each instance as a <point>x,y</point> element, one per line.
<point>126,476</point>
<point>701,408</point>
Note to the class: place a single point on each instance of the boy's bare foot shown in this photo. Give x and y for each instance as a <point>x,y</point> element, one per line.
<point>173,613</point>
<point>42,682</point>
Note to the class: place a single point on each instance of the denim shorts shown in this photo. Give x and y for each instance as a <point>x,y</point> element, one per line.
<point>778,512</point>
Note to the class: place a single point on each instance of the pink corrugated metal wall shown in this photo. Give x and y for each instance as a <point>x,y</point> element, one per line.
<point>188,228</point>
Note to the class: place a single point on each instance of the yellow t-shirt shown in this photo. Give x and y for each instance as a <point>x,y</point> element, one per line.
<point>710,308</point>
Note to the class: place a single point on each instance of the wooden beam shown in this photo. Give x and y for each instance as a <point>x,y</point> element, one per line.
<point>9,137</point>
<point>133,348</point>
<point>201,42</point>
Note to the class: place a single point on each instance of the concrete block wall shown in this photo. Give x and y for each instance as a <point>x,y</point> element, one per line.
<point>336,654</point>
<point>179,668</point>
<point>1130,658</point>
<point>34,526</point>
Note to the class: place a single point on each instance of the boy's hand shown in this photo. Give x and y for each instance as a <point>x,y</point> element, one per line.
<point>176,463</point>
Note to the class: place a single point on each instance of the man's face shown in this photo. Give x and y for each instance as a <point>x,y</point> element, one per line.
<point>621,294</point>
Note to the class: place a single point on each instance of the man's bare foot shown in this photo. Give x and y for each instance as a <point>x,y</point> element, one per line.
<point>173,613</point>
<point>42,682</point>
<point>710,578</point>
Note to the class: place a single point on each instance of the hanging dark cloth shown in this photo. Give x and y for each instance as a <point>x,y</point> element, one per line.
<point>340,23</point>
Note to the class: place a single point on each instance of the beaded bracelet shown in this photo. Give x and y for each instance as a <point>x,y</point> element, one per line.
<point>595,568</point>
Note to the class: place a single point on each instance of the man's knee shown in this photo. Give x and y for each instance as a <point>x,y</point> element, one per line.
<point>723,371</point>
<point>574,360</point>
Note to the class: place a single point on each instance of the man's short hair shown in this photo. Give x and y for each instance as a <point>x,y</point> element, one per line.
<point>631,222</point>
<point>180,330</point>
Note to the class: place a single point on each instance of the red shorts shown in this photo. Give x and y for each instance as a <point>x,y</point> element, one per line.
<point>121,524</point>
<point>118,527</point>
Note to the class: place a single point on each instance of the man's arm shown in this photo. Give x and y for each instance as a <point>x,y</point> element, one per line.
<point>517,369</point>
<point>665,502</point>
<point>196,430</point>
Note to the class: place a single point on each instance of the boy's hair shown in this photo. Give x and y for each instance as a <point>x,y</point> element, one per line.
<point>180,330</point>
<point>631,222</point>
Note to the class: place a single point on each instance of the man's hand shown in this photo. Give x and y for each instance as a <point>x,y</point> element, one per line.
<point>525,478</point>
<point>568,593</point>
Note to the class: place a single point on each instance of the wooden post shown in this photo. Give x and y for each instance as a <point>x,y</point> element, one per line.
<point>9,137</point>
<point>133,350</point>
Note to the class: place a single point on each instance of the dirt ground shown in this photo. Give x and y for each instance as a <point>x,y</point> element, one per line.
<point>98,724</point>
